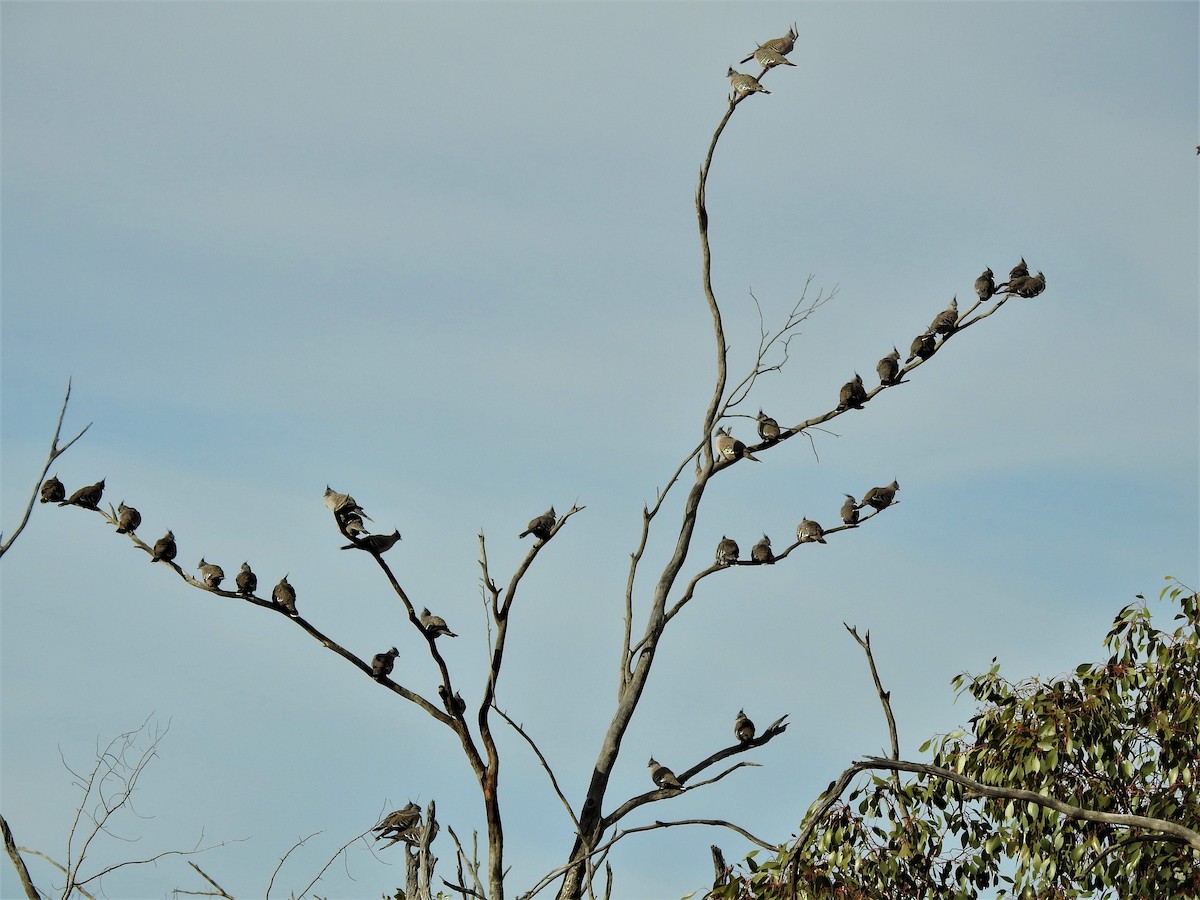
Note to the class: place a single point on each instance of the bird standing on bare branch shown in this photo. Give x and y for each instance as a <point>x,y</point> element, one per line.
<point>743,728</point>
<point>401,825</point>
<point>455,705</point>
<point>53,490</point>
<point>284,595</point>
<point>87,497</point>
<point>731,448</point>
<point>769,58</point>
<point>947,320</point>
<point>662,776</point>
<point>211,574</point>
<point>744,84</point>
<point>375,543</point>
<point>850,511</point>
<point>985,287</point>
<point>1029,286</point>
<point>889,367</point>
<point>761,552</point>
<point>923,347</point>
<point>852,395</point>
<point>382,663</point>
<point>768,428</point>
<point>1020,270</point>
<point>247,581</point>
<point>781,45</point>
<point>541,526</point>
<point>435,626</point>
<point>727,551</point>
<point>164,548</point>
<point>808,532</point>
<point>128,519</point>
<point>881,497</point>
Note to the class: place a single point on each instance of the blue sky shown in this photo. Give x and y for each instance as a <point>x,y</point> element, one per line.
<point>444,257</point>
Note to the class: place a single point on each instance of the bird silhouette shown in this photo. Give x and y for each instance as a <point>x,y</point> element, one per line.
<point>52,490</point>
<point>662,776</point>
<point>743,728</point>
<point>247,581</point>
<point>852,395</point>
<point>1020,270</point>
<point>401,825</point>
<point>889,367</point>
<point>284,595</point>
<point>541,526</point>
<point>985,287</point>
<point>435,626</point>
<point>1030,285</point>
<point>947,320</point>
<point>809,531</point>
<point>761,552</point>
<point>128,519</point>
<point>164,548</point>
<point>87,497</point>
<point>727,552</point>
<point>374,543</point>
<point>211,574</point>
<point>923,347</point>
<point>850,511</point>
<point>744,84</point>
<point>455,705</point>
<point>382,663</point>
<point>881,497</point>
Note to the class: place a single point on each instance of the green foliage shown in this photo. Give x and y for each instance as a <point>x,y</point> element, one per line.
<point>1122,736</point>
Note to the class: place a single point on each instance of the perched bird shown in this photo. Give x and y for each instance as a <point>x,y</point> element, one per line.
<point>923,346</point>
<point>455,705</point>
<point>247,581</point>
<point>1031,285</point>
<point>744,84</point>
<point>881,497</point>
<point>852,395</point>
<point>401,825</point>
<point>343,503</point>
<point>768,428</point>
<point>947,320</point>
<point>985,287</point>
<point>211,574</point>
<point>53,490</point>
<point>850,511</point>
<point>435,626</point>
<point>541,526</point>
<point>761,552</point>
<point>284,595</point>
<point>87,497</point>
<point>1020,270</point>
<point>352,525</point>
<point>781,45</point>
<point>164,548</point>
<point>727,552</point>
<point>743,728</point>
<point>662,776</point>
<point>731,448</point>
<point>128,519</point>
<point>809,531</point>
<point>769,58</point>
<point>382,663</point>
<point>889,367</point>
<point>375,543</point>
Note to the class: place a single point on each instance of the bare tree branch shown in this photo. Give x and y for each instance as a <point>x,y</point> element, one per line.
<point>331,861</point>
<point>220,892</point>
<point>55,452</point>
<point>10,845</point>
<point>545,765</point>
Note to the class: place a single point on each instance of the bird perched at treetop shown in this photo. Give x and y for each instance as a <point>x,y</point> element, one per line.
<point>852,395</point>
<point>375,543</point>
<point>731,448</point>
<point>382,663</point>
<point>284,595</point>
<point>247,581</point>
<point>923,346</point>
<point>743,728</point>
<point>435,626</point>
<point>401,825</point>
<point>87,497</point>
<point>727,551</point>
<point>881,497</point>
<point>947,320</point>
<point>1030,285</point>
<point>744,84</point>
<point>164,548</point>
<point>809,531</point>
<point>761,552</point>
<point>662,776</point>
<point>850,511</point>
<point>782,45</point>
<point>889,367</point>
<point>985,287</point>
<point>541,526</point>
<point>1020,270</point>
<point>128,519</point>
<point>343,504</point>
<point>211,574</point>
<point>768,428</point>
<point>53,490</point>
<point>769,58</point>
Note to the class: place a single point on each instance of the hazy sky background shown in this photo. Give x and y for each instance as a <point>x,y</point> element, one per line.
<point>444,257</point>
